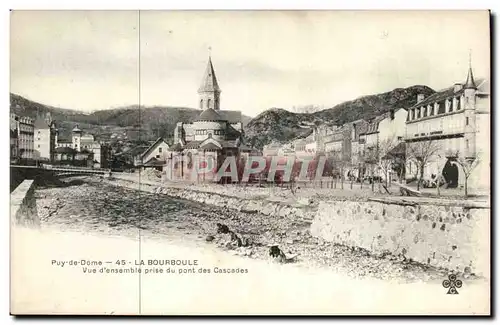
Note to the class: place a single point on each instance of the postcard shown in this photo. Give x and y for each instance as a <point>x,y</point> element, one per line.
<point>250,162</point>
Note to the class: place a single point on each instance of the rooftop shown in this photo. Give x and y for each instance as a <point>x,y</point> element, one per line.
<point>209,82</point>
<point>210,115</point>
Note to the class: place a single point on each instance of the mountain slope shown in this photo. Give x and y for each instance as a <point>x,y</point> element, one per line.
<point>152,122</point>
<point>281,125</point>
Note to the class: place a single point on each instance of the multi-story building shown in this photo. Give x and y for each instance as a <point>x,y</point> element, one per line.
<point>84,143</point>
<point>45,138</point>
<point>392,128</point>
<point>13,146</point>
<point>358,127</point>
<point>25,137</point>
<point>454,121</point>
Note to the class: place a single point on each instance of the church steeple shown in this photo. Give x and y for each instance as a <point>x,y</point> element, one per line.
<point>470,83</point>
<point>209,90</point>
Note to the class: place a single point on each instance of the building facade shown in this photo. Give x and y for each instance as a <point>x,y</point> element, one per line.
<point>456,122</point>
<point>84,144</point>
<point>154,156</point>
<point>25,136</point>
<point>45,138</point>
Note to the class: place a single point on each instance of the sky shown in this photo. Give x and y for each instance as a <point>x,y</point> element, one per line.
<point>90,60</point>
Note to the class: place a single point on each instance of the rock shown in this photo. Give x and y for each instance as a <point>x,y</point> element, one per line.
<point>210,238</point>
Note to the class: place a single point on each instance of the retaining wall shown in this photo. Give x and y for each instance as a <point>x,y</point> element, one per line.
<point>443,236</point>
<point>23,210</point>
<point>261,206</point>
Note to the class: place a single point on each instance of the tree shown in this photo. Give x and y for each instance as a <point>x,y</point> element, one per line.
<point>468,164</point>
<point>370,158</point>
<point>386,159</point>
<point>421,153</point>
<point>338,164</point>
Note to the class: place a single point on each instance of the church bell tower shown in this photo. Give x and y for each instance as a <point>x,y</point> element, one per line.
<point>209,91</point>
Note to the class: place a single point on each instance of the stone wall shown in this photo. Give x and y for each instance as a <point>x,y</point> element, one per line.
<point>262,206</point>
<point>442,236</point>
<point>23,210</point>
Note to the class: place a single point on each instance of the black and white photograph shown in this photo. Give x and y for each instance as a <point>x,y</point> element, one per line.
<point>238,162</point>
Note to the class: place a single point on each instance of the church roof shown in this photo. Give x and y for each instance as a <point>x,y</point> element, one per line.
<point>76,129</point>
<point>209,81</point>
<point>193,144</point>
<point>210,115</point>
<point>230,116</point>
<point>209,146</point>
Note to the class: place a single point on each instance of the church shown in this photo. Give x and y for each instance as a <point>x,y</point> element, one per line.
<point>215,133</point>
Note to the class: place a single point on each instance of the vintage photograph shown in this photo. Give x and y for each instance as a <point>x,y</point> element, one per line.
<point>250,162</point>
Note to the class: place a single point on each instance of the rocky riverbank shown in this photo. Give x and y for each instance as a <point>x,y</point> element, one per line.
<point>119,209</point>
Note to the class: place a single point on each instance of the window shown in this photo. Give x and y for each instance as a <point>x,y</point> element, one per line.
<point>38,146</point>
<point>157,156</point>
<point>466,121</point>
<point>209,103</point>
<point>159,150</point>
<point>201,104</point>
<point>467,144</point>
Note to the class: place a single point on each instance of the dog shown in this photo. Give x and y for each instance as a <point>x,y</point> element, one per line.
<point>222,229</point>
<point>275,252</point>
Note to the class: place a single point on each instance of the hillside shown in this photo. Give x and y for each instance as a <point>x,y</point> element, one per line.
<point>128,122</point>
<point>281,125</point>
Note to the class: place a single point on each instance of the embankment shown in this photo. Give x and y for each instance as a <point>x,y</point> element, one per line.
<point>439,233</point>
<point>269,208</point>
<point>446,236</point>
<point>23,210</point>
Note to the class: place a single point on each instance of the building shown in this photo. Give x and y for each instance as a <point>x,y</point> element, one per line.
<point>357,144</point>
<point>455,121</point>
<point>45,138</point>
<point>272,149</point>
<point>154,156</point>
<point>25,136</point>
<point>215,134</point>
<point>13,146</point>
<point>392,128</point>
<point>221,124</point>
<point>84,144</point>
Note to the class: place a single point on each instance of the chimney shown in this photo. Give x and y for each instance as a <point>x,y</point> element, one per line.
<point>457,87</point>
<point>420,97</point>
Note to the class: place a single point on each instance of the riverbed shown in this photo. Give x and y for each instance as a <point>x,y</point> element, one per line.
<point>91,205</point>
